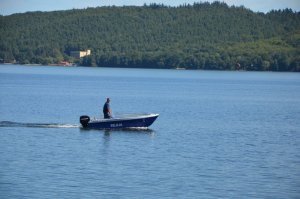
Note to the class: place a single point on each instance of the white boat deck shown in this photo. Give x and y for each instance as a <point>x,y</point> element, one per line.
<point>125,117</point>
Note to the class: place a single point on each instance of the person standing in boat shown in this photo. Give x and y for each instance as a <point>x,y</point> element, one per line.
<point>106,109</point>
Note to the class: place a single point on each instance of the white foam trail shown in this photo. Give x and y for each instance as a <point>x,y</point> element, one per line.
<point>37,125</point>
<point>61,126</point>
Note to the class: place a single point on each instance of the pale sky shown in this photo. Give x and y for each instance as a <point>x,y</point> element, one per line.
<point>8,7</point>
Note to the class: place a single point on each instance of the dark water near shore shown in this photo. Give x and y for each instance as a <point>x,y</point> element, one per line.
<point>219,134</point>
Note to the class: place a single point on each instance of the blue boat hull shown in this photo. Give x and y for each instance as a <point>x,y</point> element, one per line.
<point>141,121</point>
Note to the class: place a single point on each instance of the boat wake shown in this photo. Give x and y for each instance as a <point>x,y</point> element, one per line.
<point>37,125</point>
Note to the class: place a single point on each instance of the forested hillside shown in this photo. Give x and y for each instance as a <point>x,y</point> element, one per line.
<point>200,36</point>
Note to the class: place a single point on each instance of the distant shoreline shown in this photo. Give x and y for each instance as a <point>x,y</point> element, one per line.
<point>179,69</point>
<point>201,36</point>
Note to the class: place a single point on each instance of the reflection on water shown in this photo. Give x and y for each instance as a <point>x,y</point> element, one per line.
<point>107,132</point>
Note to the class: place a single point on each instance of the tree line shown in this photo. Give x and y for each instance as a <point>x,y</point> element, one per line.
<point>199,36</point>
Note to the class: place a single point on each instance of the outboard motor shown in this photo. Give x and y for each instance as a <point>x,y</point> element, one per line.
<point>84,120</point>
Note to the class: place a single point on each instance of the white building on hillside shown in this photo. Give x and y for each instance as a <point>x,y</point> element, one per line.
<point>79,54</point>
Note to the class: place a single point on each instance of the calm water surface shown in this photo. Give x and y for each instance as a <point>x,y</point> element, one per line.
<point>219,134</point>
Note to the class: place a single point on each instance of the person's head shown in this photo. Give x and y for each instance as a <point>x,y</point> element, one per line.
<point>108,100</point>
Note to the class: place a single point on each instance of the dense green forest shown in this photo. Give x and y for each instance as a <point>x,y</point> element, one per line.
<point>199,36</point>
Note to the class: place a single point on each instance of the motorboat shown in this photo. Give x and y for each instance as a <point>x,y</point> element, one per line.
<point>121,122</point>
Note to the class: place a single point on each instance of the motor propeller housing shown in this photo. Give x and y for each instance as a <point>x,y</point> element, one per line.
<point>84,120</point>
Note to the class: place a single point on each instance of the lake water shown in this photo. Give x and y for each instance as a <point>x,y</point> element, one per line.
<point>219,134</point>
